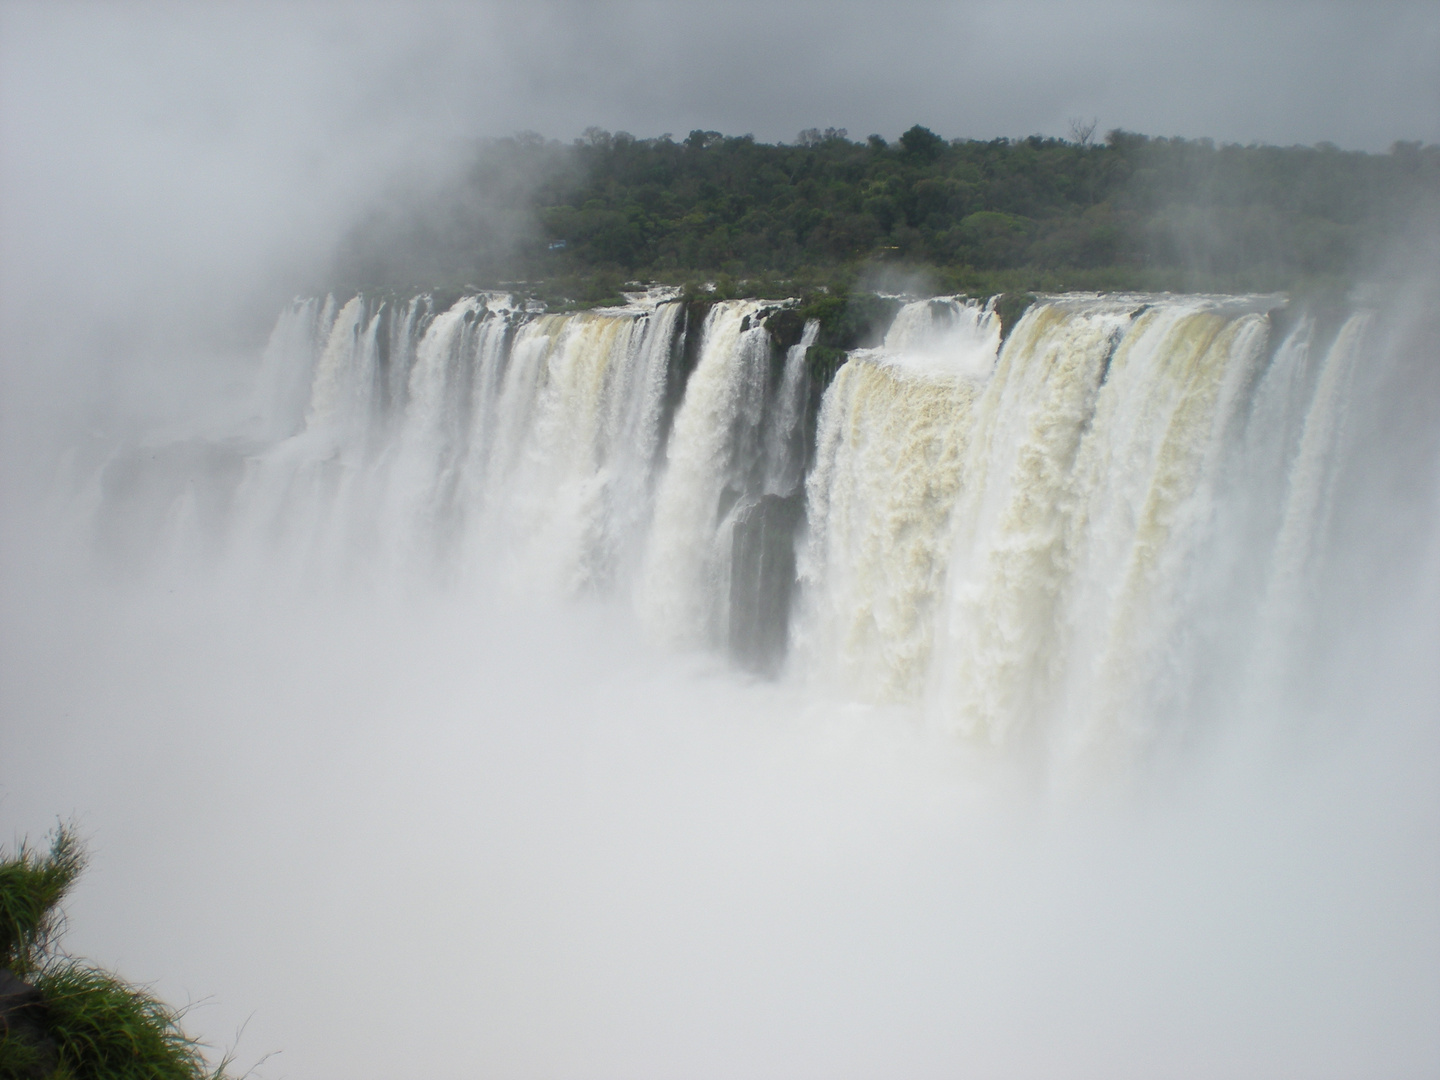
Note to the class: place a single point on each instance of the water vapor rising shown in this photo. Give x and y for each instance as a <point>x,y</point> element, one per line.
<point>452,687</point>
<point>382,654</point>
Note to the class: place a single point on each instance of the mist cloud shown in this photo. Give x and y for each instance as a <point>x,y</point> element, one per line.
<point>223,149</point>
<point>367,823</point>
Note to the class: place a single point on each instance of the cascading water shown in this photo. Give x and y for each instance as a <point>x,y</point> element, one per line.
<point>687,562</point>
<point>892,436</point>
<point>481,441</point>
<point>1103,703</point>
<point>487,441</point>
<point>1030,540</point>
<point>1304,521</point>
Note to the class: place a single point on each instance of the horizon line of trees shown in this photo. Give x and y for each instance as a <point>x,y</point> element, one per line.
<point>1030,213</point>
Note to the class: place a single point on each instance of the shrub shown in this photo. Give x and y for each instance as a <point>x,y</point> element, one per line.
<point>88,1024</point>
<point>105,1028</point>
<point>31,888</point>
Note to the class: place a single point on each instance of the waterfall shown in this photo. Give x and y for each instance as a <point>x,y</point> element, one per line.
<point>1306,503</point>
<point>1030,542</point>
<point>687,561</point>
<point>576,475</point>
<point>283,386</point>
<point>891,439</point>
<point>1070,539</point>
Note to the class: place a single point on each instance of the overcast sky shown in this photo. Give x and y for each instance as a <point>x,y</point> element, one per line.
<point>1360,75</point>
<point>193,148</point>
<point>685,869</point>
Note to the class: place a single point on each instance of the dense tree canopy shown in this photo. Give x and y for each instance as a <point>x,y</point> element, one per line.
<point>1007,213</point>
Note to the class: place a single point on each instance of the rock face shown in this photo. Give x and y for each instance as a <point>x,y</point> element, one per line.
<point>26,1050</point>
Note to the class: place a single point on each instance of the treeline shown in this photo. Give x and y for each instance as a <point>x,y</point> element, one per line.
<point>1002,215</point>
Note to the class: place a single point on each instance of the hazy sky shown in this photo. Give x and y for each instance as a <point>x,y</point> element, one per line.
<point>201,147</point>
<point>185,167</point>
<point>1360,75</point>
<point>623,868</point>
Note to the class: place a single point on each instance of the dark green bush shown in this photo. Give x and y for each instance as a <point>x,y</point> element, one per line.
<point>1130,212</point>
<point>108,1030</point>
<point>31,888</point>
<point>90,1025</point>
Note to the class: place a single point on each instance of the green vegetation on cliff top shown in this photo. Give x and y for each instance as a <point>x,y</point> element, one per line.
<point>1007,215</point>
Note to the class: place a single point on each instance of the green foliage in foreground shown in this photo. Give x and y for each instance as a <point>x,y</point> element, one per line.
<point>98,1027</point>
<point>575,222</point>
<point>31,888</point>
<point>19,1058</point>
<point>103,1027</point>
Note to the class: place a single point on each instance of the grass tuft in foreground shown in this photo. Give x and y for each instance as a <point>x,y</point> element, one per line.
<point>103,1027</point>
<point>68,1020</point>
<point>31,888</point>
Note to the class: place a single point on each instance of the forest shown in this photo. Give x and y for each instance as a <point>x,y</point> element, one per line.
<point>574,222</point>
